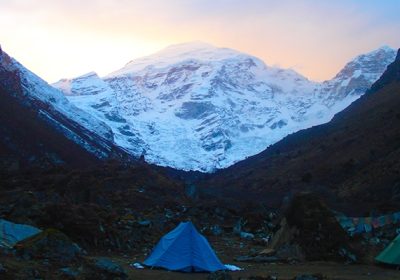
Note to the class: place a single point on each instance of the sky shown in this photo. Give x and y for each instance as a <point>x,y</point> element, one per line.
<point>67,38</point>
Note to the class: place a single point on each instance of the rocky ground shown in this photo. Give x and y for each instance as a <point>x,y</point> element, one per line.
<point>97,222</point>
<point>119,267</point>
<point>304,271</point>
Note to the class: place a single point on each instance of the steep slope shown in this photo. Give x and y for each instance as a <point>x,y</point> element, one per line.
<point>355,158</point>
<point>39,126</point>
<point>197,107</point>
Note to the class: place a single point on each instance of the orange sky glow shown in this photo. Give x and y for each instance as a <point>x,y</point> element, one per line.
<point>63,39</point>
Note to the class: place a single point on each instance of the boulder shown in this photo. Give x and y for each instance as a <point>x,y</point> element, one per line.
<point>50,244</point>
<point>216,230</point>
<point>110,267</point>
<point>246,235</point>
<point>314,229</point>
<point>144,223</point>
<point>290,252</point>
<point>70,272</point>
<point>267,252</point>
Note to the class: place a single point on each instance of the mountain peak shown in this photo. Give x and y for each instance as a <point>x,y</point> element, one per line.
<point>381,51</point>
<point>386,48</point>
<point>90,74</point>
<point>357,75</point>
<point>392,74</point>
<point>370,63</point>
<point>189,46</point>
<point>194,48</point>
<point>173,54</point>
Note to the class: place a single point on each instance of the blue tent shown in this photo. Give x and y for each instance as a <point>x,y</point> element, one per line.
<point>184,249</point>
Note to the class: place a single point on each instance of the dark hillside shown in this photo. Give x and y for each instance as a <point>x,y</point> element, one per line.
<point>28,138</point>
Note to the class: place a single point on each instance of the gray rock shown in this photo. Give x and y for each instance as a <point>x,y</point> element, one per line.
<point>110,267</point>
<point>290,252</point>
<point>115,117</point>
<point>51,245</point>
<point>70,272</point>
<point>195,110</point>
<point>244,258</point>
<point>350,257</point>
<point>216,230</point>
<point>169,214</point>
<point>278,124</point>
<point>267,259</point>
<point>246,235</point>
<point>144,223</point>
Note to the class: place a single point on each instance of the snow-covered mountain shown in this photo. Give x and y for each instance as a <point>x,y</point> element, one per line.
<point>197,107</point>
<point>357,76</point>
<point>50,106</point>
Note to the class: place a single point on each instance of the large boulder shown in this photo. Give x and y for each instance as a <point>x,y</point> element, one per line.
<point>110,267</point>
<point>50,244</point>
<point>315,229</point>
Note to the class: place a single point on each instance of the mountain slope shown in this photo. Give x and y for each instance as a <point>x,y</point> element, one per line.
<point>197,107</point>
<point>357,76</point>
<point>39,126</point>
<point>355,158</point>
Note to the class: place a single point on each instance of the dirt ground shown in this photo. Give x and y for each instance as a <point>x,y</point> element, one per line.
<point>332,271</point>
<point>227,249</point>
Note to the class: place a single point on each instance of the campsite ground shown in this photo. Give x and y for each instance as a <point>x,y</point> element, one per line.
<point>229,248</point>
<point>332,271</point>
<point>126,229</point>
<point>283,271</point>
